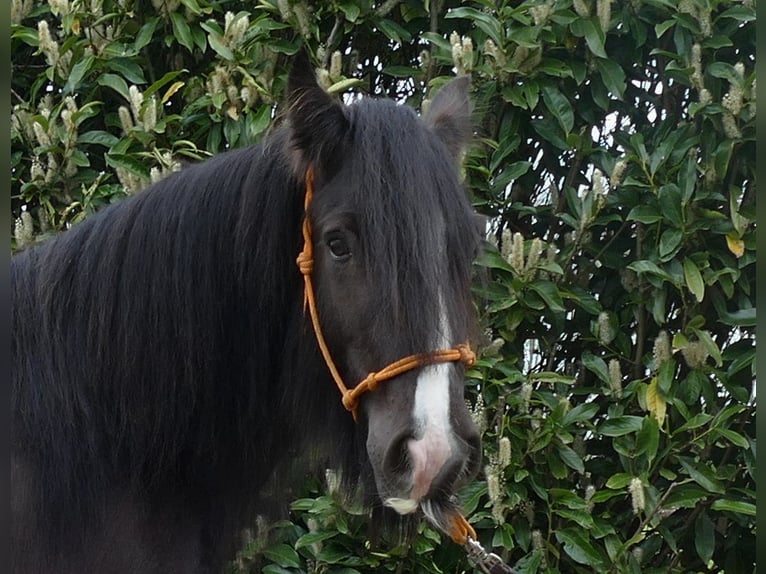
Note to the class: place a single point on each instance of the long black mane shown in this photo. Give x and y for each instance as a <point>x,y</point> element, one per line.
<point>160,349</point>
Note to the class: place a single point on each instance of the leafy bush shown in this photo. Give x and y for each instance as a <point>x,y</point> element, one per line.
<point>615,161</point>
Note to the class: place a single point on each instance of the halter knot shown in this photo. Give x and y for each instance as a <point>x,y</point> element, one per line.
<point>305,262</point>
<point>371,382</point>
<point>467,356</point>
<point>349,401</point>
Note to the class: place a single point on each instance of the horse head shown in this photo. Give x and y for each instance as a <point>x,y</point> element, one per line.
<point>392,239</point>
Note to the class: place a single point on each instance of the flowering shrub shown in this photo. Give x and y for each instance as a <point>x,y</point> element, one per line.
<point>614,161</point>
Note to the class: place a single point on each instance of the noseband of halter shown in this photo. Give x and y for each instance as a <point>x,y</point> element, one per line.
<point>350,396</point>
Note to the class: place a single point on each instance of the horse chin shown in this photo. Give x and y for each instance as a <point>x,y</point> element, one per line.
<point>438,511</point>
<point>402,505</point>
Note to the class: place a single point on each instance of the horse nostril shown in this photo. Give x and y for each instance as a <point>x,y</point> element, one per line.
<point>397,458</point>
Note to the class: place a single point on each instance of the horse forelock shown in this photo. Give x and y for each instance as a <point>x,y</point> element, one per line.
<point>415,221</point>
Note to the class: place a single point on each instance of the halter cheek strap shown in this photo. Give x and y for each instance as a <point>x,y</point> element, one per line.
<point>350,396</point>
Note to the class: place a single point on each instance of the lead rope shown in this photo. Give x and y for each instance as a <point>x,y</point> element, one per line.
<point>461,532</point>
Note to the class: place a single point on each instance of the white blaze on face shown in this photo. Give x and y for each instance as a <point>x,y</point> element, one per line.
<point>431,448</point>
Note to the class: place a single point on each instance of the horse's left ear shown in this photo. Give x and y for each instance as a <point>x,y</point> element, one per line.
<point>317,122</point>
<point>449,115</point>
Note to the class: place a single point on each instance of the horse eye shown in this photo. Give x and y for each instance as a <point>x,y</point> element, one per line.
<point>338,246</point>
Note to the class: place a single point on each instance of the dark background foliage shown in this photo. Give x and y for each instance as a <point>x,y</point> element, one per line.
<point>615,160</point>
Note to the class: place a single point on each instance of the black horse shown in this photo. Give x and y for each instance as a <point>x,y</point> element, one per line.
<point>164,368</point>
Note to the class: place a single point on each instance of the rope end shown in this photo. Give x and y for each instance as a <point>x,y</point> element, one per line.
<point>461,530</point>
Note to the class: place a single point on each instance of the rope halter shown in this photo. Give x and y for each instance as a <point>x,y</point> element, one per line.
<point>461,531</point>
<point>350,396</point>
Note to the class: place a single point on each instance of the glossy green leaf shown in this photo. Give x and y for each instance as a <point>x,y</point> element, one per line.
<point>620,426</point>
<point>693,279</point>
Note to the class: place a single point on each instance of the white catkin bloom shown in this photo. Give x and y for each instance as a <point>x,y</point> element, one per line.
<point>730,127</point>
<point>323,78</point>
<point>705,97</point>
<point>467,55</point>
<point>235,29</point>
<point>155,174</point>
<point>53,168</point>
<point>732,100</point>
<point>217,81</point>
<point>302,18</point>
<point>232,93</point>
<point>505,242</point>
<point>284,9</point>
<point>457,50</point>
<point>618,172</point>
<point>696,62</point>
<point>336,65</point>
<point>96,8</point>
<point>71,105</point>
<point>604,13</point>
<point>136,101</point>
<point>45,105</point>
<point>661,351</point>
<point>537,540</point>
<point>47,44</point>
<point>248,95</point>
<point>517,253</point>
<point>228,18</point>
<point>59,7</point>
<point>599,183</point>
<point>498,55</point>
<point>479,414</point>
<point>739,68</point>
<point>36,171</point>
<point>582,8</point>
<point>20,9</point>
<point>493,348</point>
<point>637,499</point>
<point>615,378</point>
<point>605,331</point>
<point>166,6</point>
<point>504,452</point>
<point>526,396</point>
<point>493,483</point>
<point>126,120</point>
<point>541,13</point>
<point>41,135</point>
<point>703,17</point>
<point>24,229</point>
<point>535,250</point>
<point>695,354</point>
<point>425,59</point>
<point>498,512</point>
<point>495,491</point>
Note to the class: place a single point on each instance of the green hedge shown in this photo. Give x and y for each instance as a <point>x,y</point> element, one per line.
<point>615,160</point>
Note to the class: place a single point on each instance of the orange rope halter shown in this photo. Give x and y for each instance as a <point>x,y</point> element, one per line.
<point>461,530</point>
<point>350,397</point>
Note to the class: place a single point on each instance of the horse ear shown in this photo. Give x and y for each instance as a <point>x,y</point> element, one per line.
<point>318,124</point>
<point>449,115</point>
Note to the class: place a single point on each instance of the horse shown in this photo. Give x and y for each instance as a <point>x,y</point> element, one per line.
<point>165,370</point>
